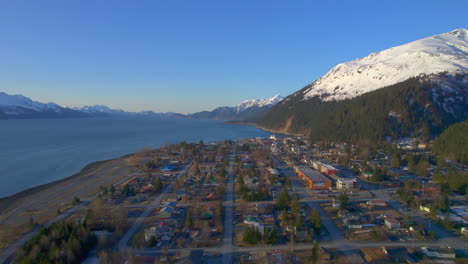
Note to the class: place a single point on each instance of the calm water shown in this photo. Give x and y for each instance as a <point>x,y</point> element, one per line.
<point>38,151</point>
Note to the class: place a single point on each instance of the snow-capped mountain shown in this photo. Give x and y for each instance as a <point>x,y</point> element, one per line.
<point>245,110</point>
<point>244,105</point>
<point>447,52</point>
<point>19,106</point>
<point>416,89</point>
<point>20,101</point>
<point>99,110</point>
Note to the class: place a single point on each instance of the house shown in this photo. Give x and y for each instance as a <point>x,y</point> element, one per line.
<point>391,222</point>
<point>207,167</point>
<point>150,232</point>
<point>425,207</point>
<point>168,168</point>
<point>367,174</point>
<point>442,252</point>
<point>256,223</point>
<point>353,224</point>
<point>211,196</point>
<point>396,254</point>
<point>181,194</point>
<point>377,203</point>
<point>219,158</point>
<point>165,213</point>
<point>172,205</point>
<point>171,197</point>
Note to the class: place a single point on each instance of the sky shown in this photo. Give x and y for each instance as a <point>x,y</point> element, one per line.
<point>187,56</point>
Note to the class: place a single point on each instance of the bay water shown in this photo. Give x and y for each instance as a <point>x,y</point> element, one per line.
<point>39,151</point>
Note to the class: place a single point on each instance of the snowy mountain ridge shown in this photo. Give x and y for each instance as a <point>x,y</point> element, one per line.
<point>245,109</point>
<point>24,102</point>
<point>244,105</point>
<point>446,52</point>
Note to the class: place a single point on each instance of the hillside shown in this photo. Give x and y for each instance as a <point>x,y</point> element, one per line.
<point>416,107</point>
<point>453,142</point>
<point>248,109</point>
<point>446,52</point>
<point>416,89</point>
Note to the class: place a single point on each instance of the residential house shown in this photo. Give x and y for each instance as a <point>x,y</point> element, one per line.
<point>377,203</point>
<point>165,213</point>
<point>150,232</point>
<point>396,254</point>
<point>170,197</point>
<point>442,252</point>
<point>391,222</point>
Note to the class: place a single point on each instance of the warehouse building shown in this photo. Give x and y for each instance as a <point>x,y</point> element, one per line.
<point>314,179</point>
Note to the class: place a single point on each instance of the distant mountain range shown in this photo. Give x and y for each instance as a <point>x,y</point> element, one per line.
<point>247,109</point>
<point>417,88</point>
<point>19,106</point>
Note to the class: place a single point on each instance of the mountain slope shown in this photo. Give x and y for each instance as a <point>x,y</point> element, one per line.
<point>415,89</point>
<point>453,143</point>
<point>19,106</point>
<point>447,52</point>
<point>247,109</point>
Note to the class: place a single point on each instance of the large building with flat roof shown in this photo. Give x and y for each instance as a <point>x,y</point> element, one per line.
<point>314,179</point>
<point>325,168</point>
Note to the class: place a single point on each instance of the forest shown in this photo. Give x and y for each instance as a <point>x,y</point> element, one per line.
<point>453,142</point>
<point>403,109</point>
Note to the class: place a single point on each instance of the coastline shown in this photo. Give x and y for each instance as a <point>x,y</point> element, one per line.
<point>41,203</point>
<point>274,131</point>
<point>7,200</point>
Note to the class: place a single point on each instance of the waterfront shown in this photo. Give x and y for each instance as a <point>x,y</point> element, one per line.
<point>39,151</point>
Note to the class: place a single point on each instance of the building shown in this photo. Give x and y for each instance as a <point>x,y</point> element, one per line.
<point>314,179</point>
<point>255,223</point>
<point>207,167</point>
<point>329,170</point>
<point>346,183</point>
<point>377,203</point>
<point>150,232</point>
<point>396,254</point>
<point>165,213</point>
<point>444,253</point>
<point>392,223</point>
<point>325,168</point>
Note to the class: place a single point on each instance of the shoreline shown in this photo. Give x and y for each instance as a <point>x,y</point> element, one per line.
<point>9,199</point>
<point>6,201</point>
<point>274,131</point>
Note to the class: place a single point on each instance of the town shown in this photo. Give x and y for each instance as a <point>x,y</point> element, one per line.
<point>268,200</point>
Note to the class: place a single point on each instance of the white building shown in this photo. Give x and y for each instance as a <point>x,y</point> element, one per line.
<point>444,253</point>
<point>346,183</point>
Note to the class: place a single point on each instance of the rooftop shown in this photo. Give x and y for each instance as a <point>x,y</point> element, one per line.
<point>313,175</point>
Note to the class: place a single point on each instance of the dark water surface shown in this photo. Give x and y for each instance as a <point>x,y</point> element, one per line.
<point>39,151</point>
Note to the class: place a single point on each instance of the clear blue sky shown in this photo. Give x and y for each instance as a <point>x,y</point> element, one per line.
<point>186,56</point>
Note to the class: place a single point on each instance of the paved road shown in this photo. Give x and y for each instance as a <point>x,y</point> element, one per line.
<point>123,243</point>
<point>7,255</point>
<point>341,244</point>
<point>229,211</point>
